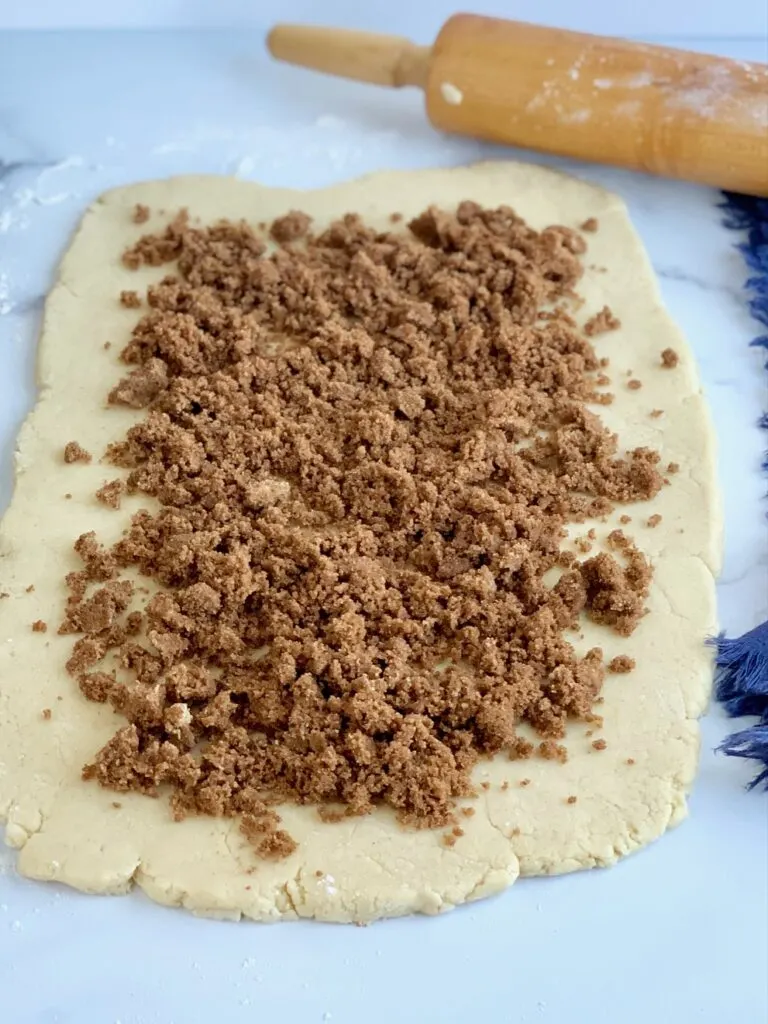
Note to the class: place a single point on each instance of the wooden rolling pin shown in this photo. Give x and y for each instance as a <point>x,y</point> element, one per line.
<point>649,108</point>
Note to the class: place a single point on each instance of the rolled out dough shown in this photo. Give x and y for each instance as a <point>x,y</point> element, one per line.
<point>360,869</point>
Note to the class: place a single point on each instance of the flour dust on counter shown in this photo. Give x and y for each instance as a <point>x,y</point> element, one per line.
<point>362,547</point>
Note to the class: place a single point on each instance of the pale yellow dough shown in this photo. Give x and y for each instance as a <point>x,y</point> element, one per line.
<point>357,870</point>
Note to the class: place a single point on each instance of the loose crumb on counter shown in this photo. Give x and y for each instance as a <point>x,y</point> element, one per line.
<point>654,520</point>
<point>590,224</point>
<point>39,626</point>
<point>140,214</point>
<point>669,359</point>
<point>599,744</point>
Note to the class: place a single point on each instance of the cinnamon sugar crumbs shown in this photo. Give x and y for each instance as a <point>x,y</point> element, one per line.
<point>140,214</point>
<point>656,413</point>
<point>621,663</point>
<point>45,714</point>
<point>590,224</point>
<point>552,751</point>
<point>130,299</point>
<point>110,493</point>
<point>601,323</point>
<point>614,593</point>
<point>30,589</point>
<point>673,467</point>
<point>362,453</point>
<point>669,359</point>
<point>654,520</point>
<point>634,384</point>
<point>74,452</point>
<point>38,626</point>
<point>599,744</point>
<point>291,227</point>
<point>571,799</point>
<point>624,519</point>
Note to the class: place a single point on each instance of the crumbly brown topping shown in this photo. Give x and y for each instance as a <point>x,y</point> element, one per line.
<point>110,493</point>
<point>621,663</point>
<point>654,520</point>
<point>673,467</point>
<point>601,322</point>
<point>364,448</point>
<point>74,452</point>
<point>291,227</point>
<point>140,214</point>
<point>38,626</point>
<point>45,714</point>
<point>634,384</point>
<point>669,359</point>
<point>591,224</point>
<point>130,299</point>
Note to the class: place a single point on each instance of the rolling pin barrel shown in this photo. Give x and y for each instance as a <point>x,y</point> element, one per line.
<point>648,108</point>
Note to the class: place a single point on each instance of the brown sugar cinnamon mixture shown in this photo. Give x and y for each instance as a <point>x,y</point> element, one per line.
<point>601,322</point>
<point>363,448</point>
<point>74,452</point>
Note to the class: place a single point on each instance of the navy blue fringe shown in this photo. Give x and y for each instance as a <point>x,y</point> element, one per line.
<point>742,663</point>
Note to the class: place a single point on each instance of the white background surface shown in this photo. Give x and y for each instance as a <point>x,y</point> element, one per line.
<point>677,933</point>
<point>689,18</point>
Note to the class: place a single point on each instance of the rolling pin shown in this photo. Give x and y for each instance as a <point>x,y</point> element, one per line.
<point>648,108</point>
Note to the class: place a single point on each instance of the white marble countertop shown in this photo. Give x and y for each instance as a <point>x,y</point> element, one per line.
<point>678,931</point>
